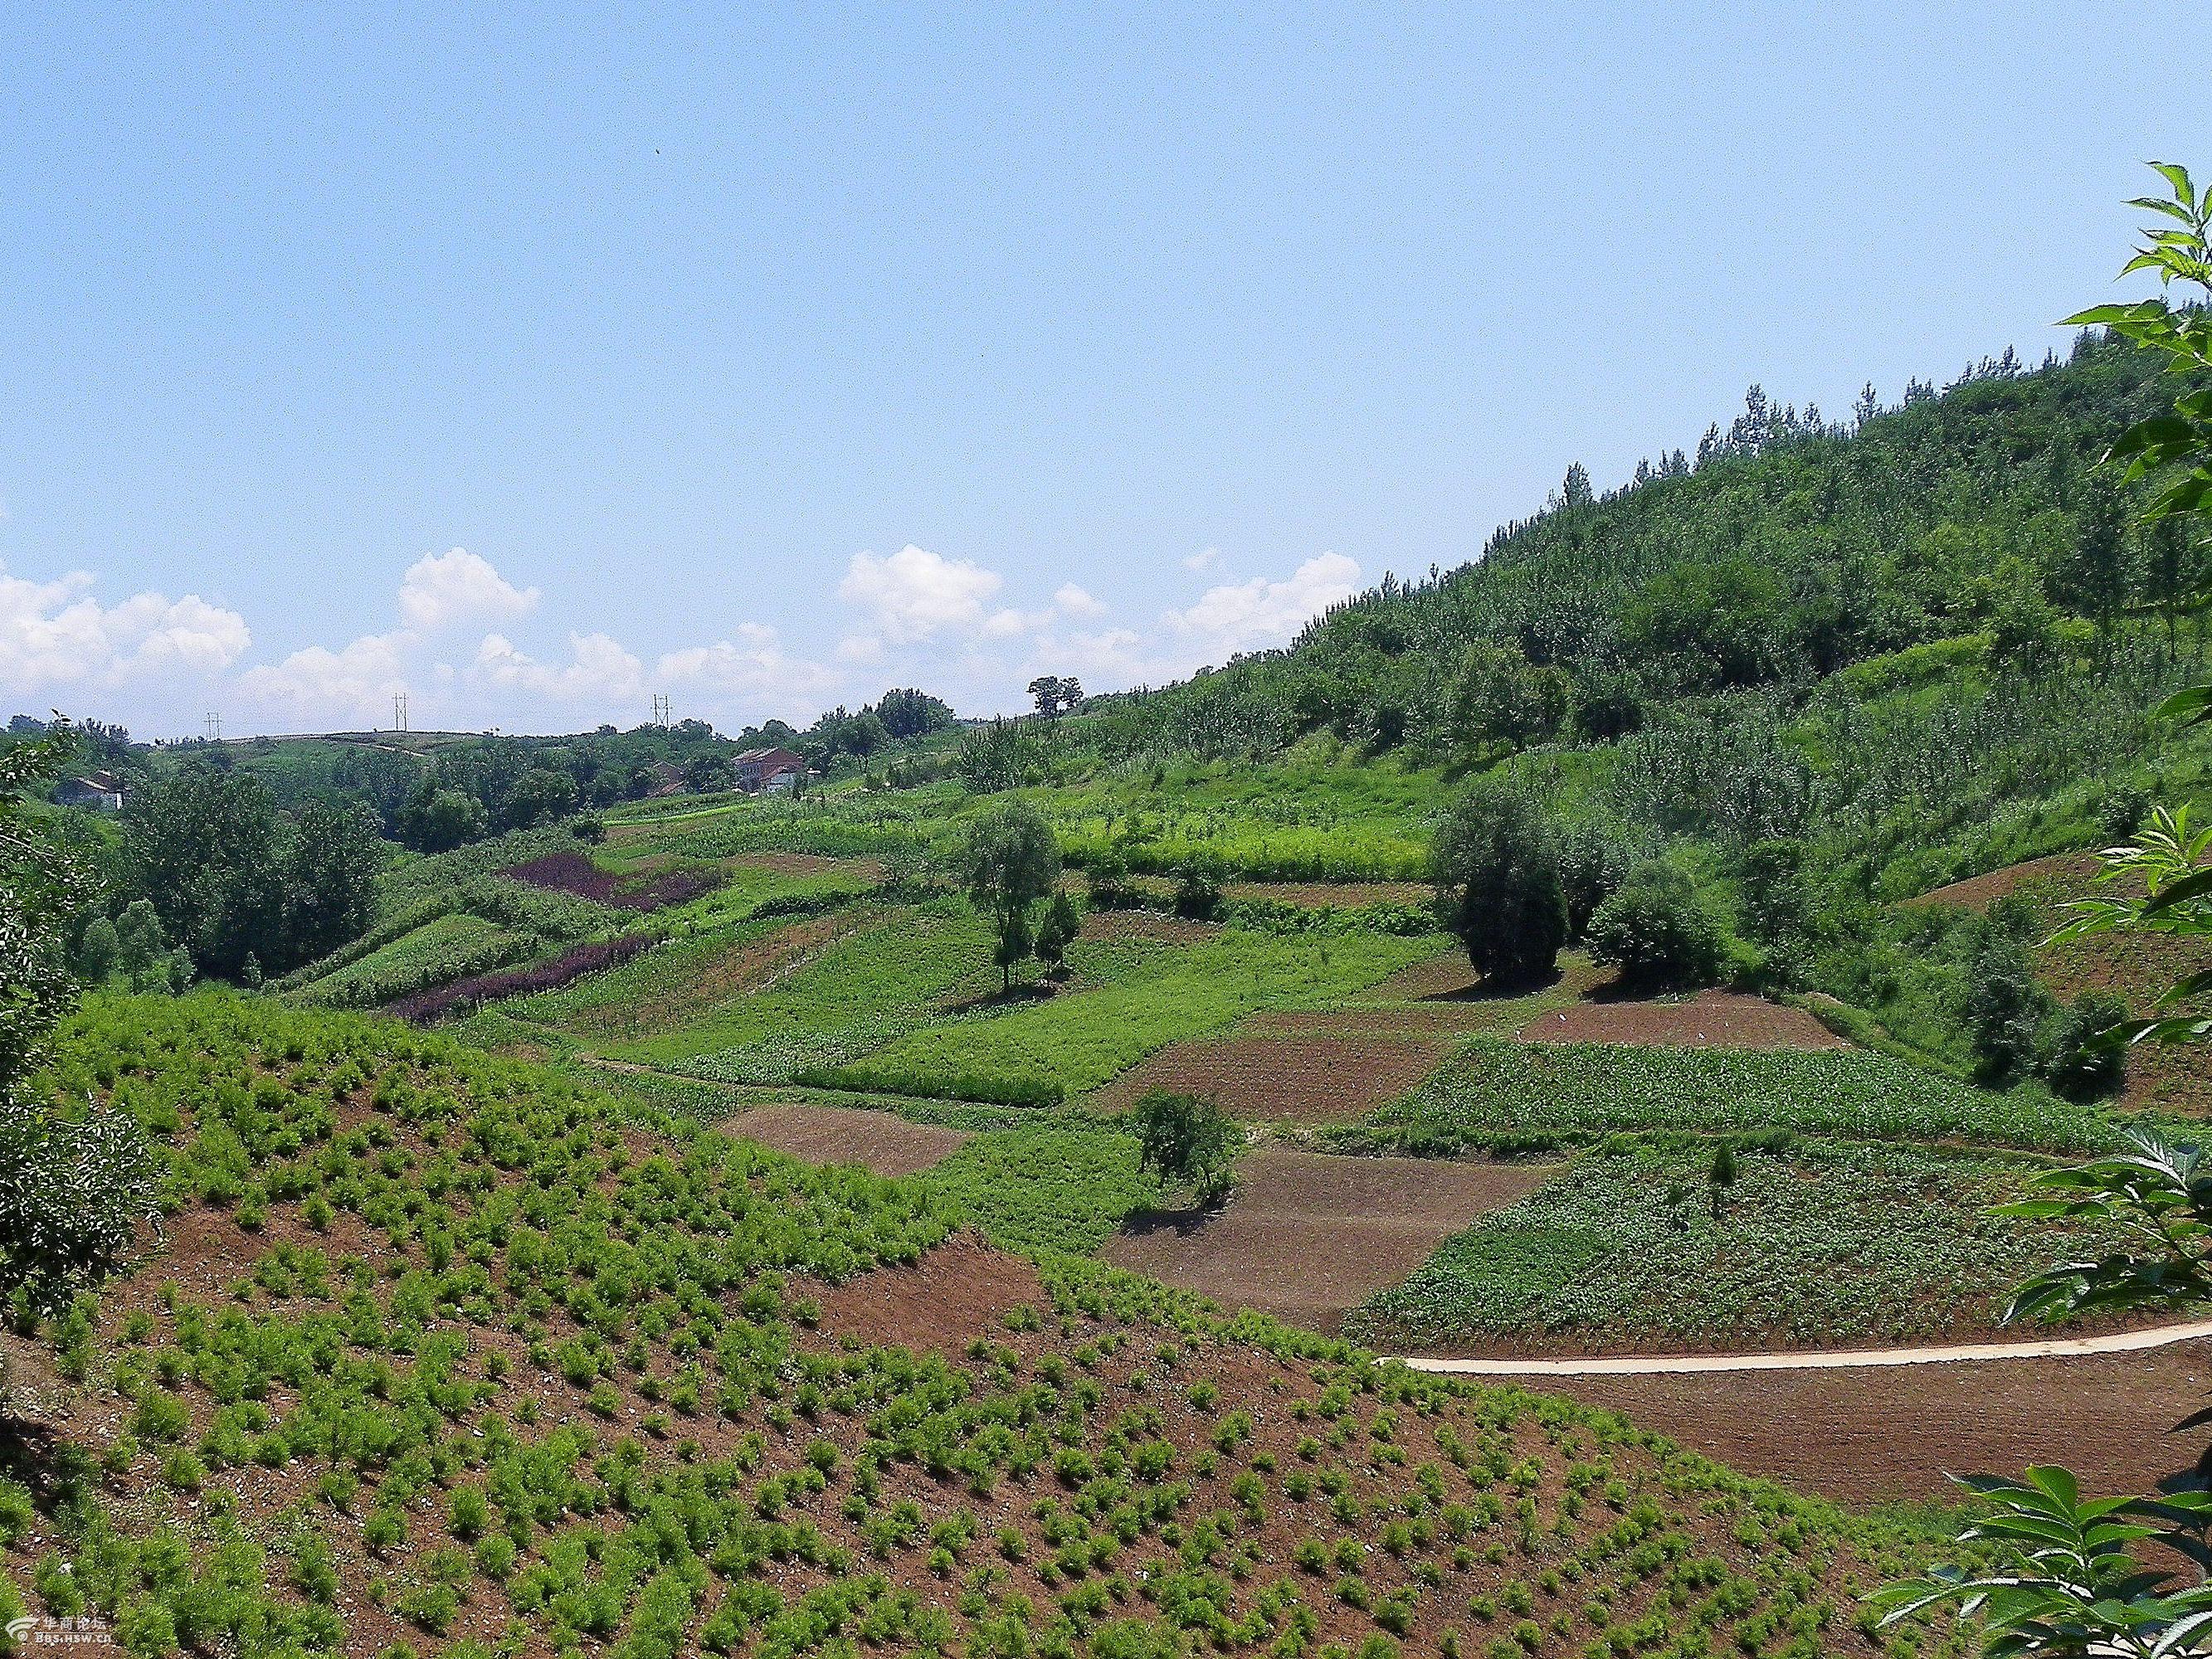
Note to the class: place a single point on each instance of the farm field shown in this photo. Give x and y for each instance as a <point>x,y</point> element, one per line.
<point>1810,1244</point>
<point>626,1383</point>
<point>1898,1433</point>
<point>1308,1235</point>
<point>1715,1019</point>
<point>884,1145</point>
<point>1497,1088</point>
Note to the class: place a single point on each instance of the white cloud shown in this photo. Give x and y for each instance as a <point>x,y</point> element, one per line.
<point>1255,615</point>
<point>916,594</point>
<point>1072,601</point>
<point>598,668</point>
<point>1204,559</point>
<point>55,633</point>
<point>753,667</point>
<point>355,682</point>
<point>439,588</point>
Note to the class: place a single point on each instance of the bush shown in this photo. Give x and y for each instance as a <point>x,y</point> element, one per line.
<point>1497,871</point>
<point>2005,1011</point>
<point>2079,1068</point>
<point>1198,881</point>
<point>1657,931</point>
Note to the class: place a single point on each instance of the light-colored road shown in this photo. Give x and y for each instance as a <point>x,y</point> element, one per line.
<point>1844,1360</point>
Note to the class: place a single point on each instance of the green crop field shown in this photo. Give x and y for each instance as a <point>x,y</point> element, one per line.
<point>1499,1089</point>
<point>1076,1042</point>
<point>1821,1243</point>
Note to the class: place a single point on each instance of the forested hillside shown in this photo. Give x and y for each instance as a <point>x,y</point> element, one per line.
<point>1791,548</point>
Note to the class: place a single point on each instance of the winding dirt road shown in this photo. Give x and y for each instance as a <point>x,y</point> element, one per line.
<point>1838,1359</point>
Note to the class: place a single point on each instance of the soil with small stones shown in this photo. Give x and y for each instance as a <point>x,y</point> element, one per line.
<point>842,1134</point>
<point>1294,1079</point>
<point>1146,924</point>
<point>1712,1019</point>
<point>960,1291</point>
<point>1895,1432</point>
<point>1310,1236</point>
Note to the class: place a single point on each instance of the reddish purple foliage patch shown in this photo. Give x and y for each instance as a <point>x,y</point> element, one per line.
<point>572,873</point>
<point>571,965</point>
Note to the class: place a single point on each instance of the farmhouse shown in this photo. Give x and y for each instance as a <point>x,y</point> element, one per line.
<point>103,792</point>
<point>760,769</point>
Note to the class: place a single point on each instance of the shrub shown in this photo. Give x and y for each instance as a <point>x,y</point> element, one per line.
<point>2005,1011</point>
<point>1657,931</point>
<point>2080,1067</point>
<point>1198,881</point>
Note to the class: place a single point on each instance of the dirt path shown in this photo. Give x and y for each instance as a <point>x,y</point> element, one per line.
<point>1841,1359</point>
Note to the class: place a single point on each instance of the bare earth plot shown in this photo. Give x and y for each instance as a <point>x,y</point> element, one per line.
<point>1308,1235</point>
<point>1879,1434</point>
<point>938,1304</point>
<point>1320,1078</point>
<point>842,1134</point>
<point>1712,1019</point>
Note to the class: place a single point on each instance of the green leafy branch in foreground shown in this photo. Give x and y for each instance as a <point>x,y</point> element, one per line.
<point>2160,1193</point>
<point>2168,857</point>
<point>2061,1579</point>
<point>2062,1575</point>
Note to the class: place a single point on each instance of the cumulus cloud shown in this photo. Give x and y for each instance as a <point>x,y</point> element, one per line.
<point>1072,601</point>
<point>1255,614</point>
<point>1204,559</point>
<point>915,595</point>
<point>55,633</point>
<point>442,588</point>
<point>598,669</point>
<point>754,667</point>
<point>354,682</point>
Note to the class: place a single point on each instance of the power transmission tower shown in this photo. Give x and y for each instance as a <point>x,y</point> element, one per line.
<point>214,727</point>
<point>660,710</point>
<point>399,711</point>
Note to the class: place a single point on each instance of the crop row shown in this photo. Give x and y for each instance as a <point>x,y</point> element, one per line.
<point>1816,1243</point>
<point>1496,1089</point>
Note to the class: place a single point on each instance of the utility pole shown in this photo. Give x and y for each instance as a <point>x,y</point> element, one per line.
<point>214,727</point>
<point>399,711</point>
<point>660,710</point>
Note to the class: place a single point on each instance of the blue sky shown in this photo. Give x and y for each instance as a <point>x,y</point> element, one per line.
<point>765,356</point>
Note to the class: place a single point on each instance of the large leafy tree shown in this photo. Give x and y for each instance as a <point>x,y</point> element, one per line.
<point>330,878</point>
<point>1011,861</point>
<point>75,1180</point>
<point>1497,872</point>
<point>1188,1140</point>
<point>204,848</point>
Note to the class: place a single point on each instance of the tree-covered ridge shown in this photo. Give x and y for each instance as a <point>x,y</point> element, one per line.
<point>1791,549</point>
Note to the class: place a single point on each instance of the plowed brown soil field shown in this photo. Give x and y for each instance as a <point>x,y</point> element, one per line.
<point>1893,1433</point>
<point>1292,1080</point>
<point>1308,1235</point>
<point>1712,1019</point>
<point>841,1134</point>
